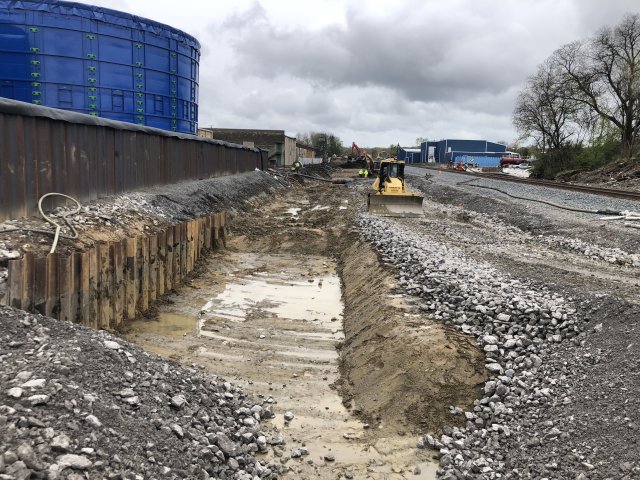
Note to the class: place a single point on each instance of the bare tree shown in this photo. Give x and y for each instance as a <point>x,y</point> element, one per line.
<point>304,138</point>
<point>603,74</point>
<point>544,111</point>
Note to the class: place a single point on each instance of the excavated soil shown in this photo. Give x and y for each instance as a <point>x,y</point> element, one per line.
<point>400,369</point>
<point>622,174</point>
<point>300,311</point>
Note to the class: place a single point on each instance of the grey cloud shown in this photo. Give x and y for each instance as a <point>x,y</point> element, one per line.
<point>238,20</point>
<point>422,68</point>
<point>428,51</point>
<point>426,59</point>
<point>595,14</point>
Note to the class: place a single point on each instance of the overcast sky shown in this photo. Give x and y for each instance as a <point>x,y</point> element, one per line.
<point>377,72</point>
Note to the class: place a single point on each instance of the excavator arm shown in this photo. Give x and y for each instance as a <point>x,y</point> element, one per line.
<point>368,159</point>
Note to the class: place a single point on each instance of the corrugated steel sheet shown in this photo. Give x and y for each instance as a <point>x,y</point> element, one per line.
<point>46,150</point>
<point>479,160</point>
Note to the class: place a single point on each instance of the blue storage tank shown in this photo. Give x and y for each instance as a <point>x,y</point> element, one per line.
<point>99,61</point>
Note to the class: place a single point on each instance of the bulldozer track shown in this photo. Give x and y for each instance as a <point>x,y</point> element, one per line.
<point>607,192</point>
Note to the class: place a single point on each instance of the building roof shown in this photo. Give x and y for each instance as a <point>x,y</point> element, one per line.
<point>241,130</point>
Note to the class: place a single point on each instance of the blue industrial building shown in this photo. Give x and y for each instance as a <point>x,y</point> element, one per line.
<point>478,152</point>
<point>100,62</point>
<point>409,155</point>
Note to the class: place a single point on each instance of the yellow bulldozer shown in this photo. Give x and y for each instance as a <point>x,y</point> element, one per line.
<point>390,197</point>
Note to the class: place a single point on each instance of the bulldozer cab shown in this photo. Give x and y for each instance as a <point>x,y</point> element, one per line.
<point>389,170</point>
<point>390,178</point>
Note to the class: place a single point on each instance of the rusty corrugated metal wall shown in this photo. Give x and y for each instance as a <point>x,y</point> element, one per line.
<point>45,150</point>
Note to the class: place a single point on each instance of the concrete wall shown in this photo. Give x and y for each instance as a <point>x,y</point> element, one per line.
<point>305,151</point>
<point>260,138</point>
<point>273,141</point>
<point>290,150</point>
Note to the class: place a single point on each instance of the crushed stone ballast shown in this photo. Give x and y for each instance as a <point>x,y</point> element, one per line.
<point>515,323</point>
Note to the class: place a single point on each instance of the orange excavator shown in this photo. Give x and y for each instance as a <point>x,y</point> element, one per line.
<point>365,157</point>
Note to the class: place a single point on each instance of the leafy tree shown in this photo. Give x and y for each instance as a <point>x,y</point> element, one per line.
<point>334,145</point>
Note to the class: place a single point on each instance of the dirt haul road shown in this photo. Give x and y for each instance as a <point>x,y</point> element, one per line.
<point>300,311</point>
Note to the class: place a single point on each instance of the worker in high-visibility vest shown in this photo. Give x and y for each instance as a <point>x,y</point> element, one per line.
<point>361,173</point>
<point>366,173</point>
<point>296,166</point>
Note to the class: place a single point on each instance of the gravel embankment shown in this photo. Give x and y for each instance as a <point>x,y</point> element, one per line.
<point>564,197</point>
<point>589,235</point>
<point>569,242</point>
<point>187,200</point>
<point>538,350</point>
<point>76,403</point>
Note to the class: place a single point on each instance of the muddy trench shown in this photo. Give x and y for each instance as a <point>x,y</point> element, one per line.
<point>299,310</point>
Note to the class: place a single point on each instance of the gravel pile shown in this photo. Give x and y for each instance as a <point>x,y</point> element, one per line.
<point>519,325</point>
<point>184,201</point>
<point>537,223</point>
<point>76,403</point>
<point>594,252</point>
<point>174,202</point>
<point>590,250</point>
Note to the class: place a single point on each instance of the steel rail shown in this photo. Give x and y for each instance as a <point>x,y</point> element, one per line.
<point>608,192</point>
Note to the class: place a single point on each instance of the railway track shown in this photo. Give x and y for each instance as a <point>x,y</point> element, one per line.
<point>607,192</point>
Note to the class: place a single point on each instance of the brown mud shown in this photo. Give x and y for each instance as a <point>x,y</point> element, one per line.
<point>299,310</point>
<point>401,370</point>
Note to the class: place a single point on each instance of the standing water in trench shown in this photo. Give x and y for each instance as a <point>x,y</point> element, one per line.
<point>271,323</point>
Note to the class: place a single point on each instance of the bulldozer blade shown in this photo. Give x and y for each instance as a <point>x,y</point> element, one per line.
<point>395,205</point>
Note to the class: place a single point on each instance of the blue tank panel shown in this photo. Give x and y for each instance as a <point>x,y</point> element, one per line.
<point>99,61</point>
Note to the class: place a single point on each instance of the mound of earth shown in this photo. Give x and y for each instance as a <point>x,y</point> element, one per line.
<point>621,174</point>
<point>398,367</point>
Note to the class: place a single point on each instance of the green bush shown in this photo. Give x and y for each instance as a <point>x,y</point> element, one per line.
<point>574,158</point>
